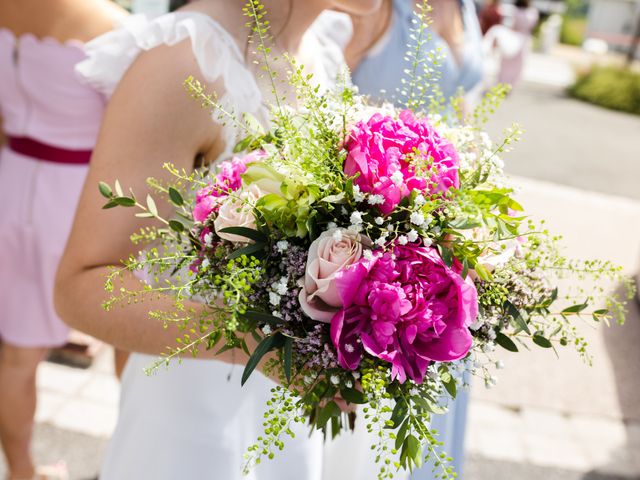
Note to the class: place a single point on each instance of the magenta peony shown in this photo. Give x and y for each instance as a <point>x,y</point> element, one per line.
<point>405,307</point>
<point>381,152</point>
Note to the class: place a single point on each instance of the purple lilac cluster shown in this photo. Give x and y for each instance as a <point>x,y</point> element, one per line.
<point>316,349</point>
<point>312,345</point>
<point>294,261</point>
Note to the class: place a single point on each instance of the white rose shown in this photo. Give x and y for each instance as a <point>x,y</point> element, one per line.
<point>237,211</point>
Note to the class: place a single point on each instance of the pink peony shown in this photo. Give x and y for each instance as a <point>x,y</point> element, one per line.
<point>227,180</point>
<point>405,307</point>
<point>381,151</point>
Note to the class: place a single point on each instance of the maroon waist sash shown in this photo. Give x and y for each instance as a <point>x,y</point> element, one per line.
<point>48,153</point>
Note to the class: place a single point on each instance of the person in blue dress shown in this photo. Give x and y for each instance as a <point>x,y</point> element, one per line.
<point>377,50</point>
<point>377,57</point>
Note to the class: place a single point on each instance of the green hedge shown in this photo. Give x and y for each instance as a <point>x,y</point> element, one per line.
<point>573,30</point>
<point>610,87</point>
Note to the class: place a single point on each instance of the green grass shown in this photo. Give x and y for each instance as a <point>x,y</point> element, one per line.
<point>610,87</point>
<point>573,30</point>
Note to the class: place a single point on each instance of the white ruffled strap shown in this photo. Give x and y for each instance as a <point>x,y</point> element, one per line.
<point>110,55</point>
<point>333,30</point>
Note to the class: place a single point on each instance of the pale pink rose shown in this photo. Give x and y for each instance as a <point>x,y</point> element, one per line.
<point>332,251</point>
<point>237,211</point>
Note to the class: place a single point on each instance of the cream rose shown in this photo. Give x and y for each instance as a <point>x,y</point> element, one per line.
<point>237,211</point>
<point>332,251</point>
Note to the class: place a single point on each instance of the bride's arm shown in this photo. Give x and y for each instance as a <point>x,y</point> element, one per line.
<point>150,120</point>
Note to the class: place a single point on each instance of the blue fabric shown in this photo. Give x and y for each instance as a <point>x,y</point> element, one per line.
<point>451,429</point>
<point>383,68</point>
<point>379,75</point>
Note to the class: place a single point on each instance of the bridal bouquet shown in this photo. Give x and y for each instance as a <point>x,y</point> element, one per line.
<point>377,255</point>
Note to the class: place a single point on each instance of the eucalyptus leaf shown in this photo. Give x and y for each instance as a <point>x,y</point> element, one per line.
<point>575,308</point>
<point>542,341</point>
<point>517,317</point>
<point>399,413</point>
<point>151,206</point>
<point>249,233</point>
<point>175,197</point>
<point>124,201</point>
<point>352,395</point>
<point>265,346</point>
<point>224,348</point>
<point>465,269</point>
<point>402,434</point>
<point>506,342</point>
<point>256,316</point>
<point>451,387</point>
<point>446,254</point>
<point>330,410</point>
<point>105,190</point>
<point>245,348</point>
<point>176,226</point>
<point>424,404</point>
<point>414,450</point>
<point>463,223</point>
<point>243,144</point>
<point>482,272</point>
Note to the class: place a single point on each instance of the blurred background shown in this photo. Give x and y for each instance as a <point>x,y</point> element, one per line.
<point>578,166</point>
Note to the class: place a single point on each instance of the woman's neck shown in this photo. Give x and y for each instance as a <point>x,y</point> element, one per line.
<point>290,19</point>
<point>367,31</point>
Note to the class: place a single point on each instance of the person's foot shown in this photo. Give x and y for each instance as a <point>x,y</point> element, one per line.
<point>57,471</point>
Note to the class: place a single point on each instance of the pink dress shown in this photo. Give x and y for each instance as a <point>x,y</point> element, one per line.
<point>52,122</point>
<point>524,21</point>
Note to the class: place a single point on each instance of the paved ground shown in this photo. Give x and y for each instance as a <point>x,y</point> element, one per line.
<point>567,141</point>
<point>548,418</point>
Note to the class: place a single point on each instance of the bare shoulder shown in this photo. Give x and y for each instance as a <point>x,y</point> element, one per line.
<point>152,93</point>
<point>91,18</point>
<point>226,13</point>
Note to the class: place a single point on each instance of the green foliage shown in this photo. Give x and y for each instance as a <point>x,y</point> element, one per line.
<point>265,346</point>
<point>573,30</point>
<point>610,87</point>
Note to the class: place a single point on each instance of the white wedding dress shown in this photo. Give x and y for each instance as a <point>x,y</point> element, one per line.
<point>194,420</point>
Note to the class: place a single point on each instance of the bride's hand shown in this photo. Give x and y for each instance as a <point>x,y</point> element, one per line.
<point>344,405</point>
